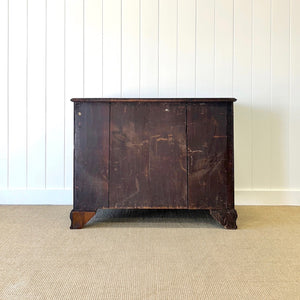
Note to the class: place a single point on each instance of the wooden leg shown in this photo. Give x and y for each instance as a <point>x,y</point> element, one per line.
<point>80,218</point>
<point>226,217</point>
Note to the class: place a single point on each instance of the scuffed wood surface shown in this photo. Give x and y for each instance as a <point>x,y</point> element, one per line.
<point>91,125</point>
<point>153,154</point>
<point>207,155</point>
<point>148,155</point>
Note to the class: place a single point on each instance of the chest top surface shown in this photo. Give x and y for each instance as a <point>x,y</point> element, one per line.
<point>154,100</point>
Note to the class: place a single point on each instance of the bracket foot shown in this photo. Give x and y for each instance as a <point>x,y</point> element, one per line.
<point>80,218</point>
<point>226,217</point>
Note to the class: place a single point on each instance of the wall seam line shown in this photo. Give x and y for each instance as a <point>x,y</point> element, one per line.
<point>290,94</point>
<point>8,108</point>
<point>65,93</point>
<point>271,93</point>
<point>177,23</point>
<point>233,47</point>
<point>26,97</point>
<point>158,13</point>
<point>102,48</point>
<point>214,67</point>
<point>121,48</point>
<point>139,48</point>
<point>83,48</point>
<point>46,90</point>
<point>195,66</point>
<point>251,111</point>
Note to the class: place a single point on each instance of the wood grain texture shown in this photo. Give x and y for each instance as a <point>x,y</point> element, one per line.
<point>207,155</point>
<point>173,100</point>
<point>91,156</point>
<point>80,218</point>
<point>229,168</point>
<point>148,156</point>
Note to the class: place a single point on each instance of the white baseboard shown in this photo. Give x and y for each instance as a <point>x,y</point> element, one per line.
<point>267,197</point>
<point>64,197</point>
<point>36,197</point>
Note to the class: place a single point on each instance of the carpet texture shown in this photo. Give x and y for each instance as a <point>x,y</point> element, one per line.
<point>149,255</point>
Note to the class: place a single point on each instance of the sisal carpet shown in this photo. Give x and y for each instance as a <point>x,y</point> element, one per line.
<point>149,255</point>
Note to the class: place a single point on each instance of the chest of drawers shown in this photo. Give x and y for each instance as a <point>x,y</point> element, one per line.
<point>153,154</point>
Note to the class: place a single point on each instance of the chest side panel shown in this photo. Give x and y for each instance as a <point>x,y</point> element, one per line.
<point>207,155</point>
<point>91,146</point>
<point>148,155</point>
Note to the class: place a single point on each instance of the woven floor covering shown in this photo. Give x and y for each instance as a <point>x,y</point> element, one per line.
<point>149,255</point>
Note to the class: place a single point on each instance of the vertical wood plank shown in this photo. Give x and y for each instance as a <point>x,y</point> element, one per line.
<point>205,47</point>
<point>55,92</point>
<point>294,112</point>
<point>74,76</point>
<point>17,93</point>
<point>112,48</point>
<point>149,49</point>
<point>148,155</point>
<point>207,155</point>
<point>130,48</point>
<point>93,48</point>
<point>280,66</point>
<point>261,94</point>
<point>186,48</point>
<point>242,90</point>
<point>91,156</point>
<point>36,93</point>
<point>4,93</point>
<point>167,48</point>
<point>223,47</point>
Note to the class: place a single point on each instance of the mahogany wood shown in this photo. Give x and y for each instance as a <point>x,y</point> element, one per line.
<point>91,153</point>
<point>153,153</point>
<point>80,218</point>
<point>148,155</point>
<point>207,155</point>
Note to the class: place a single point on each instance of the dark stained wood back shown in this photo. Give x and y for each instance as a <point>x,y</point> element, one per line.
<point>163,153</point>
<point>148,155</point>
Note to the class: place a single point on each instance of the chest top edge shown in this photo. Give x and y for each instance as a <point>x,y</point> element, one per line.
<point>154,100</point>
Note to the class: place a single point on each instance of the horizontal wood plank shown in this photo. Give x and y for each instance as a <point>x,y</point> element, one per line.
<point>157,100</point>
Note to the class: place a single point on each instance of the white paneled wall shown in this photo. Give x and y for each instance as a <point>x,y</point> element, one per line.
<point>55,50</point>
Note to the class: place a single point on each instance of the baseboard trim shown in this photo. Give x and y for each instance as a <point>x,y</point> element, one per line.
<point>36,197</point>
<point>65,197</point>
<point>267,197</point>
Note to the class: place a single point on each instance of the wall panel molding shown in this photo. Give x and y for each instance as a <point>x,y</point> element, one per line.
<point>55,50</point>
